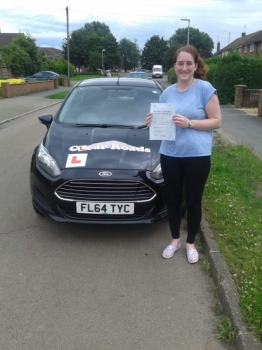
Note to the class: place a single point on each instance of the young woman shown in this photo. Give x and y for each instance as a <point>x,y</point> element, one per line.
<point>186,161</point>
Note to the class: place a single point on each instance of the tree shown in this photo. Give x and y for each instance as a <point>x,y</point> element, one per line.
<point>129,54</point>
<point>201,41</point>
<point>15,58</point>
<point>21,55</point>
<point>28,45</point>
<point>86,45</point>
<point>154,52</point>
<point>101,29</point>
<point>78,48</point>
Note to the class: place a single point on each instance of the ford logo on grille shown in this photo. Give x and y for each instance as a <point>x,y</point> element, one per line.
<point>105,173</point>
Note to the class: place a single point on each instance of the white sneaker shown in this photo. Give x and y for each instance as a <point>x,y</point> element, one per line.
<point>192,255</point>
<point>170,250</point>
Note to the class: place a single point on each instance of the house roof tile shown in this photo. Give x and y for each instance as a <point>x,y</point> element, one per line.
<point>50,52</point>
<point>6,38</point>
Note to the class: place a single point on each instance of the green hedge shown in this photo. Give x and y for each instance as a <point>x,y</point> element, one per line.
<point>234,70</point>
<point>58,65</point>
<point>226,72</point>
<point>170,76</point>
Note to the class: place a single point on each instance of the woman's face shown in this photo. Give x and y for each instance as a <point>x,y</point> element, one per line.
<point>185,66</point>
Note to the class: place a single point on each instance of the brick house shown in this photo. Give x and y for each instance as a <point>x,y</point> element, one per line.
<point>50,52</point>
<point>247,45</point>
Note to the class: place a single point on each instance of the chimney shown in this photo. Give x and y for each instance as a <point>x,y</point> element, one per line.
<point>218,45</point>
<point>243,34</point>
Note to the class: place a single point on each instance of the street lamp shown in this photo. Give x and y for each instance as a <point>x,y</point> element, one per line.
<point>185,19</point>
<point>103,59</point>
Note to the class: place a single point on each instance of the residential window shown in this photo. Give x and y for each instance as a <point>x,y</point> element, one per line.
<point>251,48</point>
<point>245,49</point>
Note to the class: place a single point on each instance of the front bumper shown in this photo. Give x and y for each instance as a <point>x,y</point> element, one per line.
<point>57,197</point>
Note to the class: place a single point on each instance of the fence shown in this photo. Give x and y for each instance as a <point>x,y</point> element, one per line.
<point>5,72</point>
<point>250,98</point>
<point>12,90</point>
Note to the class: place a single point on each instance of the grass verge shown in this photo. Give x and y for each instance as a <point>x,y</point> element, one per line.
<point>60,95</point>
<point>89,76</point>
<point>233,208</point>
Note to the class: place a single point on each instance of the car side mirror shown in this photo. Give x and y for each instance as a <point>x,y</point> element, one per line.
<point>46,119</point>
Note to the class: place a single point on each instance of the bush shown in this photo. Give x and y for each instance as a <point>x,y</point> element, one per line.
<point>58,65</point>
<point>211,72</point>
<point>234,70</point>
<point>171,77</point>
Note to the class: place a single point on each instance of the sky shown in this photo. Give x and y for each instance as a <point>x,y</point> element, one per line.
<point>137,20</point>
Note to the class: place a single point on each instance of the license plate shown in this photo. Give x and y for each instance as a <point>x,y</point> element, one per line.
<point>104,208</point>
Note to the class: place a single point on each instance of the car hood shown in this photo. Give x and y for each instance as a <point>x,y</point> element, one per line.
<point>102,148</point>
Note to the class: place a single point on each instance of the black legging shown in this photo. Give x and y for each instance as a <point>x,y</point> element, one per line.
<point>188,174</point>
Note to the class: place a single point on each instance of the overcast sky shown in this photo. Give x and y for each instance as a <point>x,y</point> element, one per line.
<point>45,21</point>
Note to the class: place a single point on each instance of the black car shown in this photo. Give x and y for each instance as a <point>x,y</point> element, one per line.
<point>96,163</point>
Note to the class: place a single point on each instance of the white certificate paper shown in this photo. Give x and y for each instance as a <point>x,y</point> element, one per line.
<point>162,127</point>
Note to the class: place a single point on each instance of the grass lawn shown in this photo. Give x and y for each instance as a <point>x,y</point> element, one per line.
<point>233,207</point>
<point>60,95</point>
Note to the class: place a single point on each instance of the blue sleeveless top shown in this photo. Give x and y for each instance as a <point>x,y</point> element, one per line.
<point>191,104</point>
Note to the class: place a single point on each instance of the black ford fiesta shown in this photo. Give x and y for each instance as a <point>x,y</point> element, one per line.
<point>96,163</point>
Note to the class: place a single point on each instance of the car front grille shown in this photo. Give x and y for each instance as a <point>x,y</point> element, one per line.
<point>105,191</point>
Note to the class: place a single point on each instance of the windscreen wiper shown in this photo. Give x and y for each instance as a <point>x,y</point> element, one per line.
<point>105,126</point>
<point>141,126</point>
<point>92,125</point>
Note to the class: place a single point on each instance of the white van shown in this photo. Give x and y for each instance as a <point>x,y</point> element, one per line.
<point>157,71</point>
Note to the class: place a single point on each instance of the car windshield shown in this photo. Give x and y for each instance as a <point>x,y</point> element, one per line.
<point>110,106</point>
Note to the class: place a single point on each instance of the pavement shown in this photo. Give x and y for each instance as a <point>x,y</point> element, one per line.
<point>13,108</point>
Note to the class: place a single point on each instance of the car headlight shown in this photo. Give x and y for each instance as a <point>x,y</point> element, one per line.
<point>156,175</point>
<point>47,162</point>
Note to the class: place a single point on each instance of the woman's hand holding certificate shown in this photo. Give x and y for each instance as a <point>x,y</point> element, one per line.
<point>162,126</point>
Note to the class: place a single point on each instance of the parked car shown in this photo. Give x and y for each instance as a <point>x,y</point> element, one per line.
<point>42,75</point>
<point>138,74</point>
<point>96,163</point>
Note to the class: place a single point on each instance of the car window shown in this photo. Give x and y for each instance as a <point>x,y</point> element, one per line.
<point>38,75</point>
<point>108,105</point>
<point>137,75</point>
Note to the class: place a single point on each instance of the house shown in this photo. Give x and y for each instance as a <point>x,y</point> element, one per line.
<point>247,45</point>
<point>50,52</point>
<point>6,38</point>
